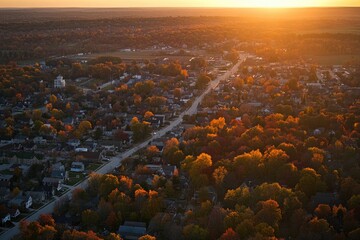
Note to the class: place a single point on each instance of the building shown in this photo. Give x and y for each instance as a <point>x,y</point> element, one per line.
<point>132,230</point>
<point>59,82</point>
<point>21,201</point>
<point>77,167</point>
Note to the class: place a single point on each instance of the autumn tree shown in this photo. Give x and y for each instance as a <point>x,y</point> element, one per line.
<point>84,127</point>
<point>148,115</point>
<point>240,195</point>
<point>197,169</point>
<point>229,234</point>
<point>269,213</point>
<point>310,182</point>
<point>219,175</point>
<point>90,219</point>
<point>151,151</point>
<point>195,232</point>
<point>172,152</point>
<point>147,237</point>
<point>202,81</point>
<point>140,129</point>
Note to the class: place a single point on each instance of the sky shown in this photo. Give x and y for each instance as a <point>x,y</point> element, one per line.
<point>177,3</point>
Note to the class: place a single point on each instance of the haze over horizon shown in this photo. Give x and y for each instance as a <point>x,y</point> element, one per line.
<point>177,3</point>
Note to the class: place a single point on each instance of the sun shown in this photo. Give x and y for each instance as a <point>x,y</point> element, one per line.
<point>281,3</point>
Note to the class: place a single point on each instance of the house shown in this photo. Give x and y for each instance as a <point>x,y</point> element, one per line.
<point>169,170</point>
<point>132,230</point>
<point>14,212</point>
<point>58,171</point>
<point>5,180</point>
<point>59,82</point>
<point>5,217</point>
<point>89,156</point>
<point>37,196</point>
<point>157,120</point>
<point>55,183</point>
<point>73,142</point>
<point>159,144</point>
<point>39,140</point>
<point>19,139</point>
<point>21,201</point>
<point>4,193</point>
<point>77,167</point>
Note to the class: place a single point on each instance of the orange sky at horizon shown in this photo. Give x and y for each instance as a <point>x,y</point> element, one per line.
<point>177,3</point>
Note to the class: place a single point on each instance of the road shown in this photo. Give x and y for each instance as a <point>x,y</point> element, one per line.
<point>115,161</point>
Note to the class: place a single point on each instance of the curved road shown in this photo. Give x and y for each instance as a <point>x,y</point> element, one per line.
<point>117,159</point>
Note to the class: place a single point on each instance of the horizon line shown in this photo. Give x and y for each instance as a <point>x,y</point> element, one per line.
<point>195,7</point>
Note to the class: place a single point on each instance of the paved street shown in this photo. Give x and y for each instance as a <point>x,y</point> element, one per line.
<point>115,161</point>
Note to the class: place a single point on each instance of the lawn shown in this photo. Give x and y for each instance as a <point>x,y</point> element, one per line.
<point>93,166</point>
<point>74,178</point>
<point>21,216</point>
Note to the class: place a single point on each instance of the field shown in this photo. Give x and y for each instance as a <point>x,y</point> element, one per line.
<point>53,14</point>
<point>148,54</point>
<point>334,59</point>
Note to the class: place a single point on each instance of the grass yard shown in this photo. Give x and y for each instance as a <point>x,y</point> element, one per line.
<point>74,178</point>
<point>93,166</point>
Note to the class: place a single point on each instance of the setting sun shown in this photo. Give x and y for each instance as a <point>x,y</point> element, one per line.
<point>282,3</point>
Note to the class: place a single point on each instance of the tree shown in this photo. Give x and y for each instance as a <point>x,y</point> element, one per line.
<point>229,234</point>
<point>197,169</point>
<point>156,102</point>
<point>107,184</point>
<point>76,70</point>
<point>247,163</point>
<point>147,237</point>
<point>151,151</point>
<point>53,99</point>
<point>140,129</point>
<point>34,230</point>
<point>240,195</point>
<point>202,81</point>
<point>310,182</point>
<point>195,232</point>
<point>219,175</point>
<point>77,235</point>
<point>218,123</point>
<point>354,202</point>
<point>148,115</point>
<point>46,219</point>
<point>36,115</point>
<point>90,219</point>
<point>318,228</point>
<point>104,210</point>
<point>84,126</point>
<point>273,160</point>
<point>216,222</point>
<point>269,213</point>
<point>323,211</point>
<point>113,236</point>
<point>171,152</point>
<point>144,89</point>
<point>177,93</point>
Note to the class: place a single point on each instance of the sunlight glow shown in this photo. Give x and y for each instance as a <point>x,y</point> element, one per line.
<point>180,3</point>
